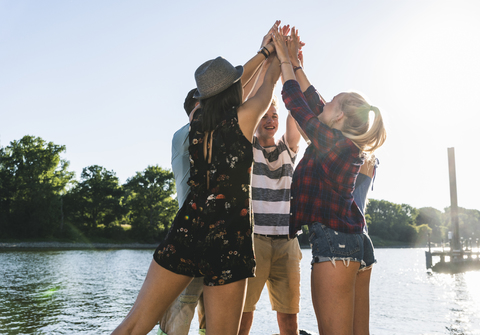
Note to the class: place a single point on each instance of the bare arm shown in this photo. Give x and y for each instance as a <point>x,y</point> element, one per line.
<point>283,56</point>
<point>292,135</point>
<point>368,168</point>
<point>296,57</point>
<point>260,76</point>
<point>263,69</point>
<point>251,68</point>
<point>248,89</point>
<point>250,112</point>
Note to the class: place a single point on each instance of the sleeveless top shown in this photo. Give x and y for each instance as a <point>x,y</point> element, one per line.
<point>211,235</point>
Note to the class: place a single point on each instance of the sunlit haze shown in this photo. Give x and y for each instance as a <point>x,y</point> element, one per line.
<point>107,79</point>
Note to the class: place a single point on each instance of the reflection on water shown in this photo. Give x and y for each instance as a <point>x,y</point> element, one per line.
<point>68,292</point>
<point>408,300</point>
<point>465,310</point>
<point>89,292</point>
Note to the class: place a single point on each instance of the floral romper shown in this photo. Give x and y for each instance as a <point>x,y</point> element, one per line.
<point>211,235</point>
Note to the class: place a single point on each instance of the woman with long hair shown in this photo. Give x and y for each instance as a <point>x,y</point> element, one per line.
<point>211,235</point>
<point>344,133</point>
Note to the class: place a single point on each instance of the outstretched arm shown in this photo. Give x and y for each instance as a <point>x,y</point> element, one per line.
<point>292,134</point>
<point>251,68</point>
<point>296,57</point>
<point>249,88</point>
<point>250,112</point>
<point>258,80</point>
<point>283,56</point>
<point>294,46</point>
<point>264,67</point>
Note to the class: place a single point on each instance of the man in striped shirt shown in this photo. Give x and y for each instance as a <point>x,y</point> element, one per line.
<point>278,257</point>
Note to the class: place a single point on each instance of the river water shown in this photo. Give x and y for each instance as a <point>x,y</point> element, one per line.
<point>89,292</point>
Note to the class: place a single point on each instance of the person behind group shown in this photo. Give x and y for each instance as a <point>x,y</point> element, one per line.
<point>363,182</point>
<point>211,235</point>
<point>177,318</point>
<point>342,138</point>
<point>278,257</point>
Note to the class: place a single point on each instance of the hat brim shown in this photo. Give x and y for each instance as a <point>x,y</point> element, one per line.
<point>239,69</point>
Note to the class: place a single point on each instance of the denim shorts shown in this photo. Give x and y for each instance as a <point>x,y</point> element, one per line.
<point>330,245</point>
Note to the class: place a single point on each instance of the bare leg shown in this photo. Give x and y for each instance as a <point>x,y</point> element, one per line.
<point>246,324</point>
<point>224,306</point>
<point>201,313</point>
<point>158,291</point>
<point>287,323</point>
<point>333,296</point>
<point>361,319</point>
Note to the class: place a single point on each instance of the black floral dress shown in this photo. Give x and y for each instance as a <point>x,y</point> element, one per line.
<point>211,235</point>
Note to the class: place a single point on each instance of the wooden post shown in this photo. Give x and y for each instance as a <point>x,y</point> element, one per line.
<point>453,199</point>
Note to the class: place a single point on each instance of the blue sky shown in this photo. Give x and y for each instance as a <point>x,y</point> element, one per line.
<point>107,79</point>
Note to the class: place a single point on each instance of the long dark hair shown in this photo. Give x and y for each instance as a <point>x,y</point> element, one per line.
<point>214,108</point>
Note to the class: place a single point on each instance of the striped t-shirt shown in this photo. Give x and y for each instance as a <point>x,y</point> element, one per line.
<point>271,179</point>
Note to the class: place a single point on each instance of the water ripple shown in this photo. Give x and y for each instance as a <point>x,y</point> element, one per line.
<point>89,292</point>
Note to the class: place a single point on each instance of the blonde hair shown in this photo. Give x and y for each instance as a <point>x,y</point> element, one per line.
<point>274,102</point>
<point>357,126</point>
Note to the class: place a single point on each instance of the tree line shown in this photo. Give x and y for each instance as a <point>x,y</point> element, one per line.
<point>40,198</point>
<point>410,225</point>
<point>403,224</point>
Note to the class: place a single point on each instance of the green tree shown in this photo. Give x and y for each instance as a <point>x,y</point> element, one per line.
<point>435,219</point>
<point>423,232</point>
<point>96,200</point>
<point>150,202</point>
<point>468,222</point>
<point>33,177</point>
<point>391,221</point>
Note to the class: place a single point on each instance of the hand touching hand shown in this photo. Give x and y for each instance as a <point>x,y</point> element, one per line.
<point>268,37</point>
<point>294,46</point>
<point>285,30</point>
<point>300,57</point>
<point>280,46</point>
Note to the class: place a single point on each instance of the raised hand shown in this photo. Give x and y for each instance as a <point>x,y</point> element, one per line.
<point>294,45</point>
<point>300,57</point>
<point>285,30</point>
<point>280,46</point>
<point>268,37</point>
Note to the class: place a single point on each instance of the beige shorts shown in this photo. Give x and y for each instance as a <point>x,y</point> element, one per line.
<point>278,265</point>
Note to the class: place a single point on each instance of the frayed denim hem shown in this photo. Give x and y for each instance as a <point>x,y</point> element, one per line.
<point>346,261</point>
<point>365,267</point>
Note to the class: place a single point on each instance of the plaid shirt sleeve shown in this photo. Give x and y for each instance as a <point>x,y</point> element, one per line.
<point>314,100</point>
<point>321,136</point>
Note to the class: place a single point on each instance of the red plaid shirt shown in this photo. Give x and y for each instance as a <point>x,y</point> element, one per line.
<point>323,182</point>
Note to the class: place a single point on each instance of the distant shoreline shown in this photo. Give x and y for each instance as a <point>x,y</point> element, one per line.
<point>18,246</point>
<point>14,246</point>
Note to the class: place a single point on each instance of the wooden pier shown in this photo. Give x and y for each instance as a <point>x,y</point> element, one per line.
<point>460,258</point>
<point>455,261</point>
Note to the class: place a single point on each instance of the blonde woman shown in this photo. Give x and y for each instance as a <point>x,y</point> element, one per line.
<point>322,192</point>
